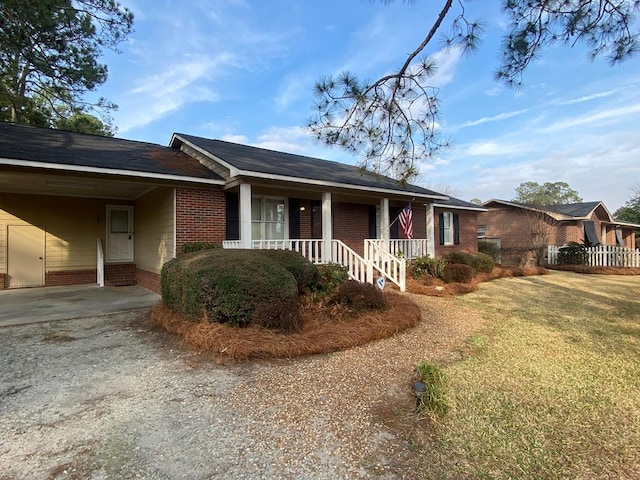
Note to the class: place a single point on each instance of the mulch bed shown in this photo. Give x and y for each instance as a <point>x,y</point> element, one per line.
<point>325,329</point>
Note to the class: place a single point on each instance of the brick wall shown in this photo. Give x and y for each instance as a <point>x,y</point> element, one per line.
<point>2,281</point>
<point>148,280</point>
<point>120,274</point>
<point>200,216</point>
<point>351,224</point>
<point>70,277</point>
<point>305,219</point>
<point>468,225</point>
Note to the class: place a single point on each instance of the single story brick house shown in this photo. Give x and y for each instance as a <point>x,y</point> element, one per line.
<point>78,208</point>
<point>521,229</point>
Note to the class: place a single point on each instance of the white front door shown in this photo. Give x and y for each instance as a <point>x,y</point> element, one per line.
<point>119,233</point>
<point>25,256</point>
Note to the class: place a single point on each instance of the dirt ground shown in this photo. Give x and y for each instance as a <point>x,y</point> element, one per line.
<point>114,397</point>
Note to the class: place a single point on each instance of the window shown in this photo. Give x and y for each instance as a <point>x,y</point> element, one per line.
<point>268,217</point>
<point>449,228</point>
<point>482,231</point>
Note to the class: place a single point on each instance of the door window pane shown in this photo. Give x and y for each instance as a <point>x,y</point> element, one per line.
<point>119,221</point>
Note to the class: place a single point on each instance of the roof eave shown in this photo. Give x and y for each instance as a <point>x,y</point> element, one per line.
<point>108,171</point>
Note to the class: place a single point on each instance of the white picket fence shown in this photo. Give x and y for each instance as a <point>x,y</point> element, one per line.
<point>602,256</point>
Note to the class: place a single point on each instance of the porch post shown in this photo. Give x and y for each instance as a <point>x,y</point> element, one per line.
<point>384,220</point>
<point>327,228</point>
<point>245,215</point>
<point>431,234</point>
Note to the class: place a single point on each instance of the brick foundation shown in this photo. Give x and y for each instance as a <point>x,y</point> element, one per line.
<point>148,280</point>
<point>70,277</point>
<point>120,274</point>
<point>2,281</point>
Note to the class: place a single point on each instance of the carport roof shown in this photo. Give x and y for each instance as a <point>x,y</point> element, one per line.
<point>28,146</point>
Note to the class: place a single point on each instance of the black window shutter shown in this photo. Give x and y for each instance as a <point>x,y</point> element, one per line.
<point>590,235</point>
<point>294,218</point>
<point>441,227</point>
<point>232,203</point>
<point>372,221</point>
<point>456,229</point>
<point>394,231</point>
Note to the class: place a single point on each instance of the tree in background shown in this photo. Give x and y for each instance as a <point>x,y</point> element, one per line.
<point>85,123</point>
<point>49,52</point>
<point>630,211</point>
<point>392,121</point>
<point>556,193</point>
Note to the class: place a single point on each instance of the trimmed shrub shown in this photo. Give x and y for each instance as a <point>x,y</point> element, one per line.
<point>458,272</point>
<point>427,266</point>
<point>328,277</point>
<point>480,262</point>
<point>573,253</point>
<point>227,286</point>
<point>489,248</point>
<point>198,246</point>
<point>360,297</point>
<point>302,269</point>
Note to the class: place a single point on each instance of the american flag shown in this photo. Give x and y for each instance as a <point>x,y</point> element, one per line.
<point>406,221</point>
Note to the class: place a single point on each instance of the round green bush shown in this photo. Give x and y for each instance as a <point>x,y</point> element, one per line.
<point>458,272</point>
<point>489,248</point>
<point>480,262</point>
<point>302,269</point>
<point>329,276</point>
<point>238,287</point>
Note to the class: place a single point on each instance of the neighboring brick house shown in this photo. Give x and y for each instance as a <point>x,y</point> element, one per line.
<point>524,231</point>
<point>78,208</point>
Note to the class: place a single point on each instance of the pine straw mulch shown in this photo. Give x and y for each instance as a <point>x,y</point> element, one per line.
<point>597,270</point>
<point>435,287</point>
<point>324,329</point>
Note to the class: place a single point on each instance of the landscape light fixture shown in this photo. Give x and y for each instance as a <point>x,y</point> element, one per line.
<point>419,389</point>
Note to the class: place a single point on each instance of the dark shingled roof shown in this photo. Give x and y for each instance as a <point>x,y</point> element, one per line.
<point>44,145</point>
<point>572,209</point>
<point>456,202</point>
<point>270,162</point>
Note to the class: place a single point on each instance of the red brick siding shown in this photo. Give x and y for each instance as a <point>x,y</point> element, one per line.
<point>351,224</point>
<point>120,274</point>
<point>148,280</point>
<point>419,221</point>
<point>70,277</point>
<point>305,219</point>
<point>468,224</point>
<point>2,281</point>
<point>200,216</point>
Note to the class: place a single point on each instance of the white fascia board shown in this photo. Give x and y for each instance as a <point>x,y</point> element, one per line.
<point>108,171</point>
<point>349,186</point>
<point>454,207</point>
<point>233,171</point>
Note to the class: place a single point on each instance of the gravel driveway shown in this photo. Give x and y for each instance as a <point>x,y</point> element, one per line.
<point>113,397</point>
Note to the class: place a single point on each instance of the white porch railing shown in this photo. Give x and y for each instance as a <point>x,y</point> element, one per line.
<point>100,265</point>
<point>402,248</point>
<point>309,249</point>
<point>357,267</point>
<point>388,264</point>
<point>602,256</point>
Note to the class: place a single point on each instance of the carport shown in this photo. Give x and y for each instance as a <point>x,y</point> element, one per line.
<point>48,304</point>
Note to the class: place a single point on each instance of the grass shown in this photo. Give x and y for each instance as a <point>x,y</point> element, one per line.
<point>554,392</point>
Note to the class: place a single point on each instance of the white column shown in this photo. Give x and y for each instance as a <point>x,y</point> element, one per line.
<point>384,219</point>
<point>327,227</point>
<point>431,233</point>
<point>245,215</point>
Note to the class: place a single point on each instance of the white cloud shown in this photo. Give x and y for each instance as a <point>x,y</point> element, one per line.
<point>610,115</point>
<point>495,118</point>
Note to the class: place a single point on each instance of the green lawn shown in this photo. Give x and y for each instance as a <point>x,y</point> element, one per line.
<point>551,389</point>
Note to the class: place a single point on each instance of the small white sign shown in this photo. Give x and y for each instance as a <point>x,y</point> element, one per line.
<point>380,283</point>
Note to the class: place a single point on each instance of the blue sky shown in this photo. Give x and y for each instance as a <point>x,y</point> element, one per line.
<point>243,71</point>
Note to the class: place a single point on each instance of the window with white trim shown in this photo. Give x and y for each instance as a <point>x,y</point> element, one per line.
<point>447,226</point>
<point>268,218</point>
<point>482,231</point>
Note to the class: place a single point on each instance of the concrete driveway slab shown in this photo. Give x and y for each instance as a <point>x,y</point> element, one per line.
<point>35,305</point>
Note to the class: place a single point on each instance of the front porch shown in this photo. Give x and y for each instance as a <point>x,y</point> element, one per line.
<point>382,258</point>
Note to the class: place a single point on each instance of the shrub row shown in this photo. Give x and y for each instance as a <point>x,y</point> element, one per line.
<point>452,267</point>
